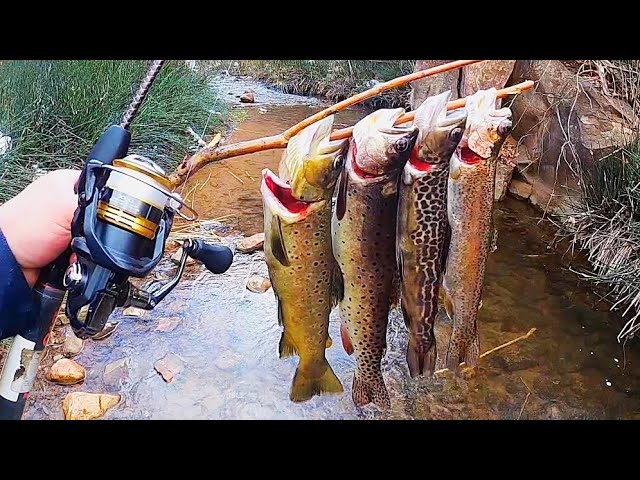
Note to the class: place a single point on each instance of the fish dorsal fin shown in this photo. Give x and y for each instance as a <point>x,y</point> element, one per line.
<point>277,242</point>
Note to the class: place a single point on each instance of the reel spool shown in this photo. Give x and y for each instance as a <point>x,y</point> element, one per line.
<point>124,216</point>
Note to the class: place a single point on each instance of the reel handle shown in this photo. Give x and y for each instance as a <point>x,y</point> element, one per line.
<point>216,258</point>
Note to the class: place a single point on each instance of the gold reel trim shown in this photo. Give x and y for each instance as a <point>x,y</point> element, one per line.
<point>126,220</point>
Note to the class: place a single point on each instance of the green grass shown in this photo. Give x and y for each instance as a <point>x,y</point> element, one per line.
<point>333,79</point>
<point>56,110</point>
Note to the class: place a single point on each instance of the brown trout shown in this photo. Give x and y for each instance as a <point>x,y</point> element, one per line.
<point>297,225</point>
<point>363,228</point>
<point>470,205</point>
<point>422,225</point>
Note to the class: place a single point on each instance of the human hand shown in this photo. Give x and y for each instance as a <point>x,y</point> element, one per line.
<point>37,221</point>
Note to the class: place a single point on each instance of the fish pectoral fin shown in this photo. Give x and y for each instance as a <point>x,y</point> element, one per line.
<point>276,239</point>
<point>286,347</point>
<point>346,341</point>
<point>304,386</point>
<point>341,202</point>
<point>337,285</point>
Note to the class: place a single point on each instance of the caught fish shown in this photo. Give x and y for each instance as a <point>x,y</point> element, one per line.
<point>297,225</point>
<point>470,205</point>
<point>422,225</point>
<point>363,228</point>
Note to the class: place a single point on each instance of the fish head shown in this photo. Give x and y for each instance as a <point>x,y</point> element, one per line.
<point>487,127</point>
<point>278,198</point>
<point>378,147</point>
<point>440,132</point>
<point>313,162</point>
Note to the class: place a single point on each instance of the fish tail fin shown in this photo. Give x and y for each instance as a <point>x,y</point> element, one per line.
<point>305,386</point>
<point>286,347</point>
<point>462,350</point>
<point>365,392</point>
<point>346,340</point>
<point>421,358</point>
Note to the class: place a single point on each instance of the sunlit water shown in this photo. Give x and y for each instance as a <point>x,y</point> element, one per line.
<point>226,336</point>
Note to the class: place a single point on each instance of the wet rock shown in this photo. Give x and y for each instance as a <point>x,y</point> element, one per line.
<point>251,244</point>
<point>168,324</point>
<point>247,97</point>
<point>169,366</point>
<point>72,345</point>
<point>66,372</point>
<point>114,372</point>
<point>133,312</point>
<point>425,87</point>
<point>258,284</point>
<point>87,406</point>
<point>520,189</point>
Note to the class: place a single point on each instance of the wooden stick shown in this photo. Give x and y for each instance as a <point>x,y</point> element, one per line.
<point>372,92</point>
<point>208,155</point>
<point>499,347</point>
<point>459,103</point>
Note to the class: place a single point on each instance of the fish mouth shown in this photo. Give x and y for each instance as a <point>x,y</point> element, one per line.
<point>278,195</point>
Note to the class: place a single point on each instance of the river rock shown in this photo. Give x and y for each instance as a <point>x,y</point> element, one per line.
<point>433,85</point>
<point>169,366</point>
<point>115,371</point>
<point>87,406</point>
<point>168,324</point>
<point>66,372</point>
<point>520,189</point>
<point>247,97</point>
<point>133,312</point>
<point>72,345</point>
<point>258,284</point>
<point>251,244</point>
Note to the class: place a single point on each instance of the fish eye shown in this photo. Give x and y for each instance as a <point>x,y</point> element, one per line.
<point>402,145</point>
<point>456,134</point>
<point>338,162</point>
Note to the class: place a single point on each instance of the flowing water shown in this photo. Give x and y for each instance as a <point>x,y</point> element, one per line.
<point>222,338</point>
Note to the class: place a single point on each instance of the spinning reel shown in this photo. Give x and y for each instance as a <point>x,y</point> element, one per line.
<point>124,216</point>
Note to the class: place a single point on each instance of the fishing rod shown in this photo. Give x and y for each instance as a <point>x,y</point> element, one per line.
<point>124,216</point>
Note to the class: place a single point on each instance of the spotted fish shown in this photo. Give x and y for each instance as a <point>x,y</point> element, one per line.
<point>363,228</point>
<point>297,224</point>
<point>470,204</point>
<point>422,225</point>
